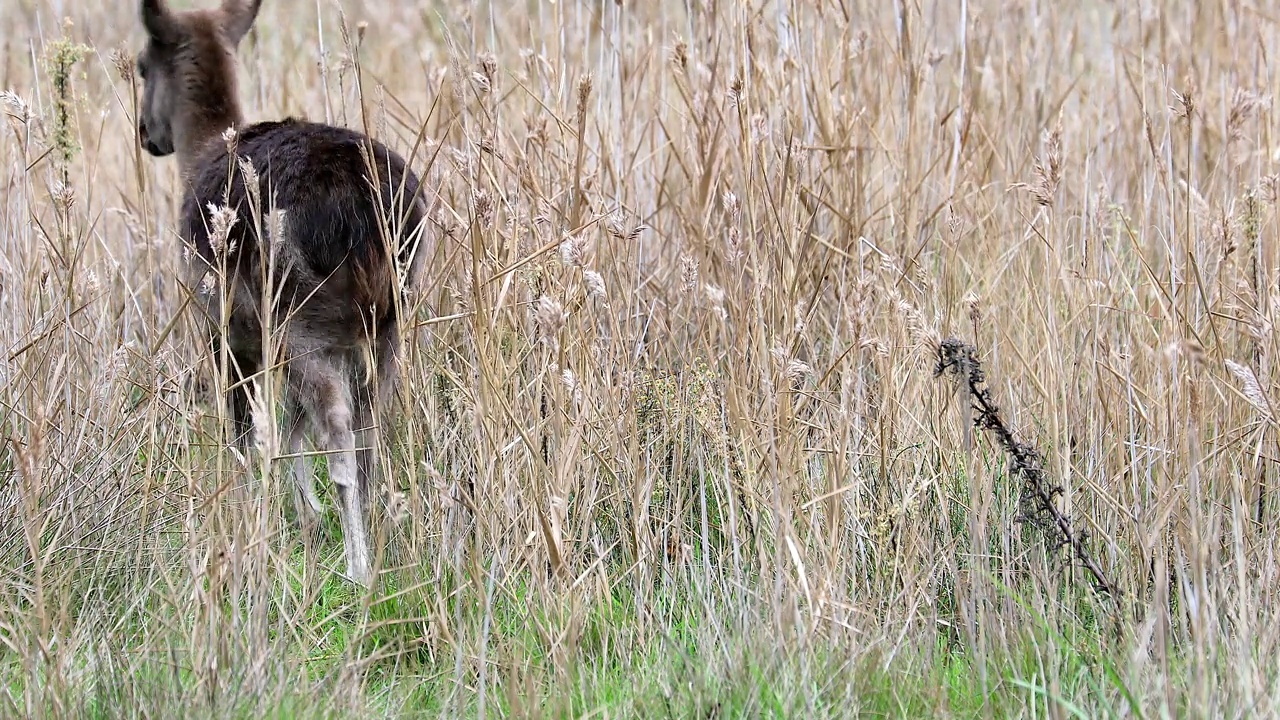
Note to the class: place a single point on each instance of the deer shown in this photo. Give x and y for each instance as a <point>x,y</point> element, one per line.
<point>349,217</point>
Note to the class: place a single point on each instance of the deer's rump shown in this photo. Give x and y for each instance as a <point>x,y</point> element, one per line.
<point>349,206</point>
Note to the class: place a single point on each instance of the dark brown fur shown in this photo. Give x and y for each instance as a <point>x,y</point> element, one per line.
<point>336,270</point>
<point>336,282</point>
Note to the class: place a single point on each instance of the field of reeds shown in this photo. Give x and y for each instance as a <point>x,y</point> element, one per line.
<point>774,359</point>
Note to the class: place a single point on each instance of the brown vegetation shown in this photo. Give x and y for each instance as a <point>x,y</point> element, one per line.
<point>668,398</point>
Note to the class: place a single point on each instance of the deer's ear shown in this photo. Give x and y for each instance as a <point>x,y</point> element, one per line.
<point>238,17</point>
<point>158,21</point>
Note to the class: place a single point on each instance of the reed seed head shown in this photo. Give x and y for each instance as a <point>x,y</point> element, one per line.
<point>550,317</point>
<point>230,138</point>
<point>594,284</point>
<point>688,272</point>
<point>122,60</point>
<point>573,251</point>
<point>221,219</point>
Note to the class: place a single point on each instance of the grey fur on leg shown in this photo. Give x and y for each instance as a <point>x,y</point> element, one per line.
<point>304,480</point>
<point>322,383</point>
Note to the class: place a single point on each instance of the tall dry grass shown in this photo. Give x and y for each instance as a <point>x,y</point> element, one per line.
<point>669,426</point>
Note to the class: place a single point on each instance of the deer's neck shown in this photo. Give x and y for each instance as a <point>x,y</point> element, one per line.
<point>203,128</point>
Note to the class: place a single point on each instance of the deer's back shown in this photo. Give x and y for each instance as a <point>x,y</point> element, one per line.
<point>319,176</point>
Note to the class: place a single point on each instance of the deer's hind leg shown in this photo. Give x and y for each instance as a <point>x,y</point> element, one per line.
<point>243,367</point>
<point>372,389</point>
<point>303,478</point>
<point>321,384</point>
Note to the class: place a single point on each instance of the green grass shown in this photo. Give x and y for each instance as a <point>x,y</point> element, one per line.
<point>569,658</point>
<point>686,669</point>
